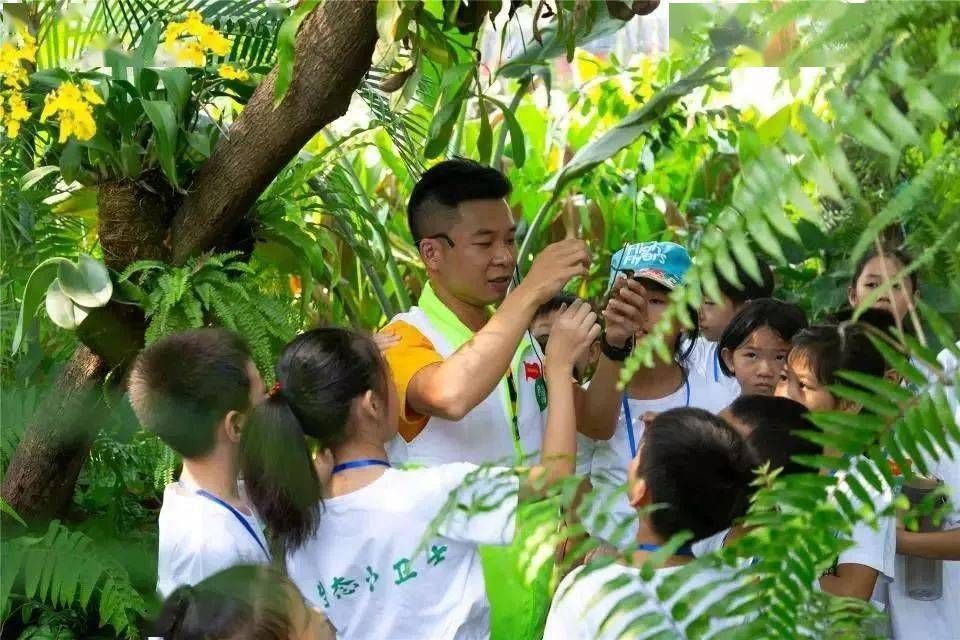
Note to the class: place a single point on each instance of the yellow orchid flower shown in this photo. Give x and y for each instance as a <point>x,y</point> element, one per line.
<point>9,59</point>
<point>193,52</point>
<point>74,107</point>
<point>18,113</point>
<point>229,72</point>
<point>16,78</point>
<point>90,94</point>
<point>28,50</point>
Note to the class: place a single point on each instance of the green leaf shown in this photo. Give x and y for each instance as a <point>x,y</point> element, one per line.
<point>34,176</point>
<point>87,283</point>
<point>286,45</point>
<point>8,510</point>
<point>63,311</point>
<point>70,159</point>
<point>176,80</point>
<point>628,130</point>
<point>485,138</point>
<point>164,123</point>
<point>517,142</point>
<point>33,293</point>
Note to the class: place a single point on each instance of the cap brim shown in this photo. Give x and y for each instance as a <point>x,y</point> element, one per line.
<point>661,278</point>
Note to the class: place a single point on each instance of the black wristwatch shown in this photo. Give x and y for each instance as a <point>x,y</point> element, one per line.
<point>617,354</point>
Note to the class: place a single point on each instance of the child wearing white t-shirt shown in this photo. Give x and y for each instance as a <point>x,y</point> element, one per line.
<point>699,469</point>
<point>194,389</point>
<point>818,353</point>
<point>938,619</point>
<point>714,316</point>
<point>656,268</point>
<point>754,346</point>
<point>391,553</point>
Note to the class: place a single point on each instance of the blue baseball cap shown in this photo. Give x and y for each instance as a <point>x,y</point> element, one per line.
<point>663,262</point>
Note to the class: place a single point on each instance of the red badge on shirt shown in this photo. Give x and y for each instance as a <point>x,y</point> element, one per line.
<point>531,370</point>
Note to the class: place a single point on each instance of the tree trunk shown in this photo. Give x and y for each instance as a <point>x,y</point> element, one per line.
<point>40,479</point>
<point>333,52</point>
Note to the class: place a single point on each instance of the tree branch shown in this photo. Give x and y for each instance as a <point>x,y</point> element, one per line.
<point>333,52</point>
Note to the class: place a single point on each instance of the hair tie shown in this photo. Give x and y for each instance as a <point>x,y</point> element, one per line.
<point>275,390</point>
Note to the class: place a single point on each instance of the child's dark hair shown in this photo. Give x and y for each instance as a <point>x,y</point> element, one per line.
<point>182,386</point>
<point>699,467</point>
<point>750,289</point>
<point>319,375</point>
<point>555,303</point>
<point>783,318</point>
<point>244,602</point>
<point>897,254</point>
<point>431,209</point>
<point>774,424</point>
<point>830,348</point>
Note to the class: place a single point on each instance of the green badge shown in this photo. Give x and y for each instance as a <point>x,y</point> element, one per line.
<point>540,390</point>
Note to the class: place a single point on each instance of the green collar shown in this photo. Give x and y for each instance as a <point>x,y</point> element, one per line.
<point>451,327</point>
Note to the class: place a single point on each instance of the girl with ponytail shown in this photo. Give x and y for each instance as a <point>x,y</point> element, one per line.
<point>367,545</point>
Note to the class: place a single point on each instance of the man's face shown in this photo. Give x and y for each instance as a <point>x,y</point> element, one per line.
<point>714,317</point>
<point>478,267</point>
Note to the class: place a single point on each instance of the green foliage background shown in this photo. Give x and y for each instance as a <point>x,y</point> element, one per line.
<point>870,155</point>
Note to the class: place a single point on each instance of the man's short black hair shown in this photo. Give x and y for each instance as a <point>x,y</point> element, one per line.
<point>699,467</point>
<point>830,348</point>
<point>750,289</point>
<point>774,424</point>
<point>432,208</point>
<point>783,318</point>
<point>183,385</point>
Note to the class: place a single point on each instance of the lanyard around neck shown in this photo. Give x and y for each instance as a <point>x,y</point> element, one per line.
<point>682,550</point>
<point>716,363</point>
<point>356,464</point>
<point>628,416</point>
<point>203,493</point>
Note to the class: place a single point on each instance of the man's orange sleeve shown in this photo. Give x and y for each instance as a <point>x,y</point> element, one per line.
<point>406,359</point>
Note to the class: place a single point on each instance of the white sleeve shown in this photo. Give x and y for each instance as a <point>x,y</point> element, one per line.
<point>484,503</point>
<point>874,548</point>
<point>193,560</point>
<point>563,621</point>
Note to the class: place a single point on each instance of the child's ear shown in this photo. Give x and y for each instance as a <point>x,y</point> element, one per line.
<point>727,356</point>
<point>637,494</point>
<point>369,404</point>
<point>851,296</point>
<point>233,425</point>
<point>848,406</point>
<point>891,375</point>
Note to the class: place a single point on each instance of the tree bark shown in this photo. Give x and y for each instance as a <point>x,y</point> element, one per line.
<point>43,471</point>
<point>333,52</point>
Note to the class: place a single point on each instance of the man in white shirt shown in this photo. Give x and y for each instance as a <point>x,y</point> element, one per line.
<point>194,389</point>
<point>698,467</point>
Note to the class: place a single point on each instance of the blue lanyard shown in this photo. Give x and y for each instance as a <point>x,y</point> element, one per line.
<point>682,550</point>
<point>716,363</point>
<point>236,514</point>
<point>356,464</point>
<point>628,415</point>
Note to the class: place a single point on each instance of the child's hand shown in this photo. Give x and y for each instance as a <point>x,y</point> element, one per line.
<point>385,340</point>
<point>626,311</point>
<point>574,330</point>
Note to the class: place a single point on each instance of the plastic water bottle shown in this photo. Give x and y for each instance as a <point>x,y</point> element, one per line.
<point>924,576</point>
